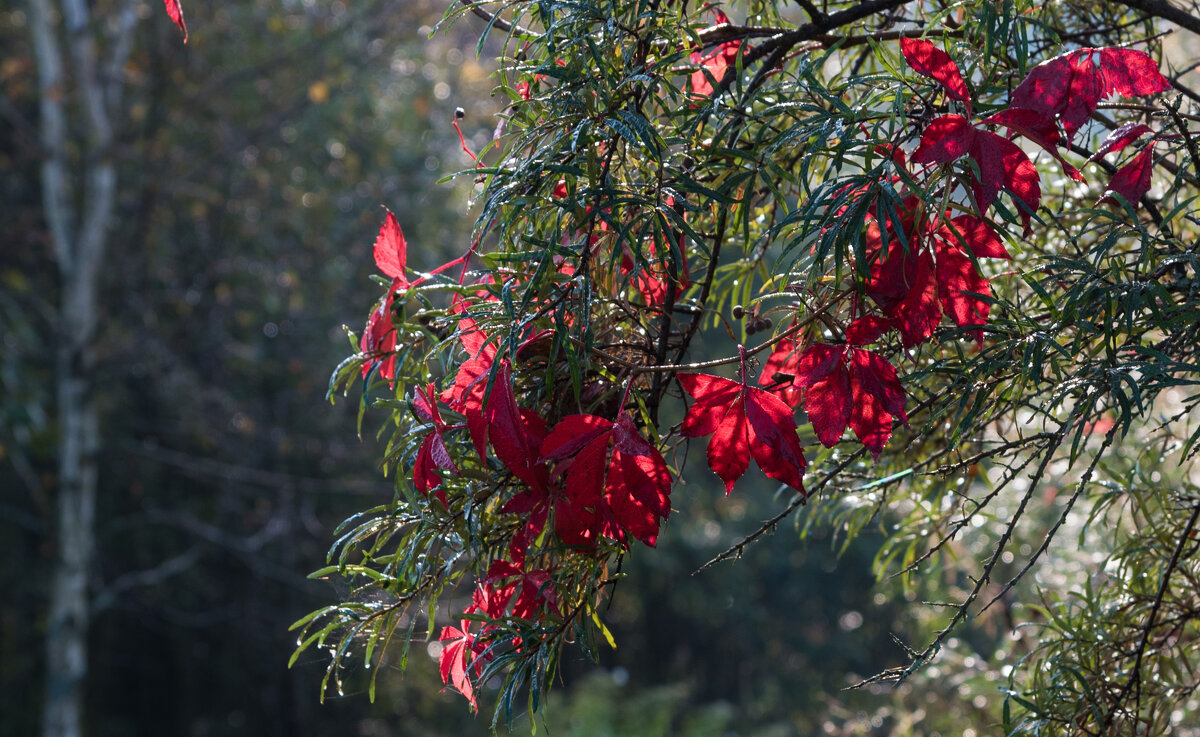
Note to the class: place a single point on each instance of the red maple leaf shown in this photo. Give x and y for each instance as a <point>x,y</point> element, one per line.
<point>914,289</point>
<point>1001,163</point>
<point>930,61</point>
<point>1070,86</point>
<point>745,422</point>
<point>616,481</point>
<point>848,385</point>
<point>175,12</point>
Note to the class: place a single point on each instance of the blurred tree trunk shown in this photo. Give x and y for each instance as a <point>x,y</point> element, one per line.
<point>79,95</point>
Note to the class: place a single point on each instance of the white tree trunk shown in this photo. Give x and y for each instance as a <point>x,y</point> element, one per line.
<point>78,199</point>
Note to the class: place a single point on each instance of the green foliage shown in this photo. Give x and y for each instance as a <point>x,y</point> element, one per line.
<point>662,193</point>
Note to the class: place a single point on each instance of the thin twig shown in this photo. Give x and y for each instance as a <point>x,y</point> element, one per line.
<point>497,21</point>
<point>1136,676</point>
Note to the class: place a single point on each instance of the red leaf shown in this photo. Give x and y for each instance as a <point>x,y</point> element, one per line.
<point>1002,164</point>
<point>378,341</point>
<point>391,252</point>
<point>1119,139</point>
<point>861,390</point>
<point>877,378</point>
<point>913,291</point>
<point>515,440</point>
<point>1037,127</point>
<point>1130,73</point>
<point>871,424</point>
<point>1071,85</point>
<point>930,61</point>
<point>456,652</point>
<point>779,371</point>
<point>918,313</point>
<point>745,422</point>
<point>958,282</point>
<point>946,139</point>
<point>977,235</point>
<point>866,330</point>
<point>616,481</point>
<point>1066,86</point>
<point>175,12</point>
<point>828,404</point>
<point>715,62</point>
<point>432,454</point>
<point>1132,181</point>
<point>817,362</point>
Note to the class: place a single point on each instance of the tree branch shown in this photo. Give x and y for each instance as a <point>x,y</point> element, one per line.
<point>497,21</point>
<point>1166,11</point>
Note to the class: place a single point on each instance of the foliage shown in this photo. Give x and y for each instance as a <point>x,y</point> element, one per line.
<point>877,198</point>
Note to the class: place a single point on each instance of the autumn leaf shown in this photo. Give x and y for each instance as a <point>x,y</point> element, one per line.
<point>745,422</point>
<point>391,252</point>
<point>1130,73</point>
<point>432,454</point>
<point>378,341</point>
<point>925,275</point>
<point>851,386</point>
<point>534,591</point>
<point>455,658</point>
<point>1037,128</point>
<point>779,370</point>
<point>175,12</point>
<point>930,61</point>
<point>1070,86</point>
<point>379,337</point>
<point>1119,139</point>
<point>615,480</point>
<point>1001,163</point>
<point>1132,181</point>
<point>514,434</point>
<point>715,63</point>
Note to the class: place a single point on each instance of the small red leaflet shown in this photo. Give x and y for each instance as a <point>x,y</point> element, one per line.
<point>1132,181</point>
<point>458,651</point>
<point>715,63</point>
<point>1119,139</point>
<point>745,422</point>
<point>175,12</point>
<point>432,455</point>
<point>930,61</point>
<point>379,337</point>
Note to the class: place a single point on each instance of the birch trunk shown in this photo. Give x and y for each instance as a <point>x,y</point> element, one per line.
<point>79,95</point>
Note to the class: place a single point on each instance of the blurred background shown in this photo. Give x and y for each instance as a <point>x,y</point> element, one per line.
<point>252,164</point>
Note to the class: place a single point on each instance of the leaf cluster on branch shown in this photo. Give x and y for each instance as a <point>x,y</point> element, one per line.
<point>874,200</point>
